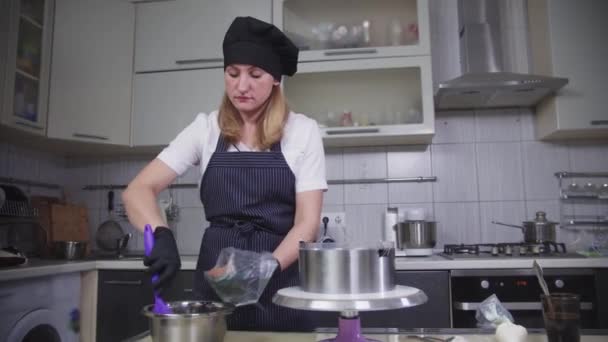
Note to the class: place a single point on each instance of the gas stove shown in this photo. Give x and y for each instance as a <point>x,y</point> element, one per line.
<point>508,250</point>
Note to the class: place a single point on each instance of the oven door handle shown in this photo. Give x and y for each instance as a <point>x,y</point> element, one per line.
<point>521,306</point>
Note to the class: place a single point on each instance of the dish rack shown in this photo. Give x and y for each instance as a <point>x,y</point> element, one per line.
<point>583,206</point>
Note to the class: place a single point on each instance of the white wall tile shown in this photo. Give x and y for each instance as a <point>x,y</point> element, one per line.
<point>334,195</point>
<point>23,163</point>
<point>365,193</point>
<point>188,198</point>
<point>528,124</point>
<point>511,212</point>
<point>94,222</point>
<point>454,127</point>
<point>365,162</point>
<point>190,230</point>
<point>405,207</point>
<point>80,174</point>
<point>4,159</point>
<point>409,161</point>
<point>588,157</point>
<point>52,169</point>
<point>493,125</point>
<point>192,175</point>
<point>114,171</point>
<point>500,171</point>
<point>454,166</point>
<point>457,223</point>
<point>334,164</point>
<point>540,162</point>
<point>364,223</point>
<point>131,167</point>
<point>410,192</point>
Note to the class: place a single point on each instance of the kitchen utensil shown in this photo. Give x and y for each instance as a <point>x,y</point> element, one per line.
<point>69,250</point>
<point>110,231</point>
<point>189,321</point>
<point>10,256</point>
<point>160,307</point>
<point>416,234</point>
<point>543,284</point>
<point>333,268</point>
<point>538,231</point>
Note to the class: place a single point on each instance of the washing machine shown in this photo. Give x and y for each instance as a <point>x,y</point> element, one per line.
<point>40,309</point>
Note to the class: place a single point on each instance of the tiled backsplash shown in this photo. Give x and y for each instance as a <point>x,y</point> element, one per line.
<point>488,165</point>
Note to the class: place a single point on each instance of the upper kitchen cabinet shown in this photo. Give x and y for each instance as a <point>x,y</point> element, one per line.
<point>188,34</point>
<point>365,102</point>
<point>164,103</point>
<point>25,38</point>
<point>347,29</point>
<point>92,70</point>
<point>567,39</point>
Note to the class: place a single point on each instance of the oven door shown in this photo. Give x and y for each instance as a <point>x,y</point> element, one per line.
<point>38,325</point>
<point>519,292</point>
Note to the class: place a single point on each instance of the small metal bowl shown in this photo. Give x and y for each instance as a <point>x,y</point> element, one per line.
<point>70,250</point>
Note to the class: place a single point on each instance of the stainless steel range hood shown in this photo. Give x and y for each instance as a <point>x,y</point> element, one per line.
<point>493,35</point>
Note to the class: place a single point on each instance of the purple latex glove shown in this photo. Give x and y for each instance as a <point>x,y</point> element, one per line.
<point>160,307</point>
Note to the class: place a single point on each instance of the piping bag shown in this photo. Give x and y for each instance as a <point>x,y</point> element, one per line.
<point>160,307</point>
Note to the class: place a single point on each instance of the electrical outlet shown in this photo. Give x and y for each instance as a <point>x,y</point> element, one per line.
<point>336,226</point>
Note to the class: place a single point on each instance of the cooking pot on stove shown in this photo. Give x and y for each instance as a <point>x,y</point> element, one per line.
<point>538,231</point>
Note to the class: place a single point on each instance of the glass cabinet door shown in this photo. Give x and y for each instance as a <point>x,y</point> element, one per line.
<point>340,29</point>
<point>29,51</point>
<point>27,68</point>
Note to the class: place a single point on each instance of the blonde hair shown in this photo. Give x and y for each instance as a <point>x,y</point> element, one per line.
<point>269,127</point>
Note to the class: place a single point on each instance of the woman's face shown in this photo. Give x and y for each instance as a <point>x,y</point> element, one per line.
<point>248,87</point>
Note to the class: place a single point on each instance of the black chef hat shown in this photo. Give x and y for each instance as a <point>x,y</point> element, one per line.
<point>252,41</point>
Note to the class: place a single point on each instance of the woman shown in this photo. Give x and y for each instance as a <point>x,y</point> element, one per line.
<point>263,175</point>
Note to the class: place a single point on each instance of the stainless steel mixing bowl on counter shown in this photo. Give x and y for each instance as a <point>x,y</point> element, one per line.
<point>334,268</point>
<point>189,321</point>
<point>416,234</point>
<point>69,250</point>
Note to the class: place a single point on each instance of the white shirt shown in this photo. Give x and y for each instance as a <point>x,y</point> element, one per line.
<point>301,145</point>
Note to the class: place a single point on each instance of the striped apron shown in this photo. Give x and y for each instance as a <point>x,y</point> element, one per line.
<point>249,199</point>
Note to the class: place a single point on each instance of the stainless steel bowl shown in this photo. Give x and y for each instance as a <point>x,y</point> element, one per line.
<point>69,250</point>
<point>190,321</point>
<point>332,268</point>
<point>416,234</point>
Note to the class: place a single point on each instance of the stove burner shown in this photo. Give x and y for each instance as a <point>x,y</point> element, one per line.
<point>513,249</point>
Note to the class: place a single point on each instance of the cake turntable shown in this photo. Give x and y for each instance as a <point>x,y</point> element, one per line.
<point>331,276</point>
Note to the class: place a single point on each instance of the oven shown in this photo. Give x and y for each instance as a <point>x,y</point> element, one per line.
<point>518,290</point>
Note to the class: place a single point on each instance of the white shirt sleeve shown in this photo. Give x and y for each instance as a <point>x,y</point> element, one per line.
<point>310,173</point>
<point>186,150</point>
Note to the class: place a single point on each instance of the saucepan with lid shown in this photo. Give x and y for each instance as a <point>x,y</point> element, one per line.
<point>538,231</point>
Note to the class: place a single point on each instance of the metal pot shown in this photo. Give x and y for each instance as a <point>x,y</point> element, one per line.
<point>69,250</point>
<point>333,268</point>
<point>416,234</point>
<point>538,231</point>
<point>200,321</point>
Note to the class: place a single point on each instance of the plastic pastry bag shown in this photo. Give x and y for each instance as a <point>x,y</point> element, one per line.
<point>240,276</point>
<point>491,313</point>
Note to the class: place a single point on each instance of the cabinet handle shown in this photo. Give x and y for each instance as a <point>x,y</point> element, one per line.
<point>521,306</point>
<point>28,125</point>
<point>353,131</point>
<point>598,122</point>
<point>199,60</point>
<point>90,136</point>
<point>123,282</point>
<point>188,290</point>
<point>351,52</point>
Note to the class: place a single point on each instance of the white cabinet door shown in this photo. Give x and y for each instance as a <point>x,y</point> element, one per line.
<point>164,103</point>
<point>188,34</point>
<point>92,69</point>
<point>572,44</point>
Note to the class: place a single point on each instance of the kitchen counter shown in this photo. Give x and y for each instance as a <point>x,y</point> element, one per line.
<point>40,267</point>
<point>240,336</point>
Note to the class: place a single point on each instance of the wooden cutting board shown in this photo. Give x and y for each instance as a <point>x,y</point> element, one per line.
<point>69,222</point>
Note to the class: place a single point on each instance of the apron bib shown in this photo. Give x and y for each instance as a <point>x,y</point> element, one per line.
<point>249,199</point>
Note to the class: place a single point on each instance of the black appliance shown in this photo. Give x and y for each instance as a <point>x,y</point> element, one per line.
<point>518,290</point>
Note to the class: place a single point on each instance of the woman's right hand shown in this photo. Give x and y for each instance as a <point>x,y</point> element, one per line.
<point>163,259</point>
